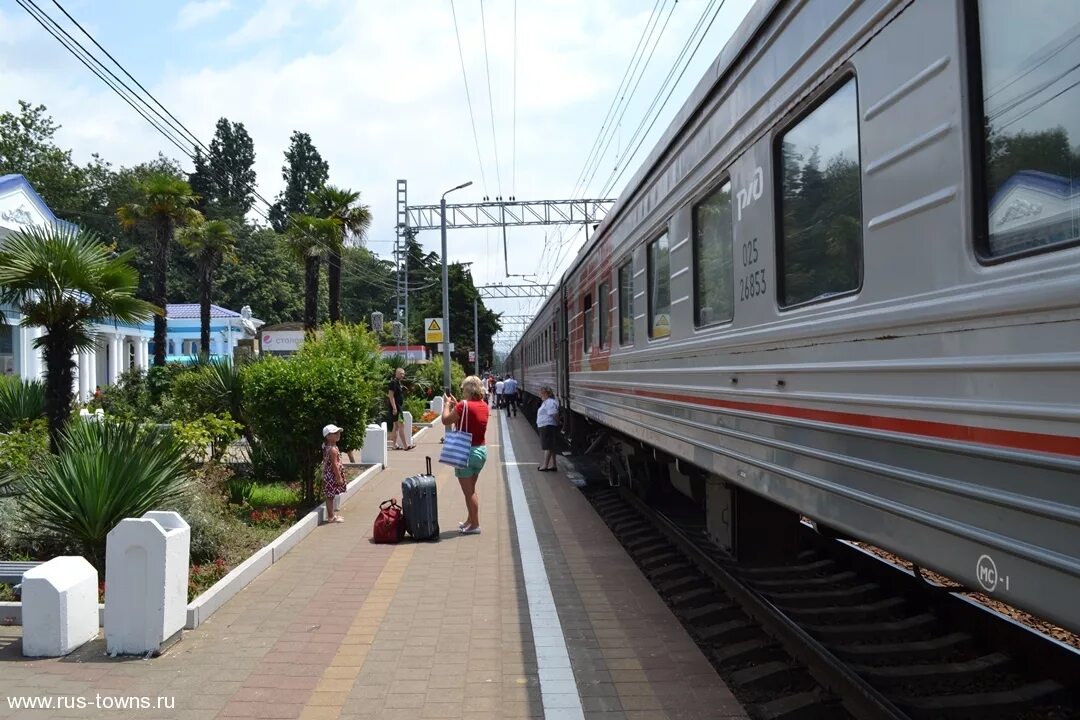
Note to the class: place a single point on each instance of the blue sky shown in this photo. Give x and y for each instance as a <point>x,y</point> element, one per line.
<point>379,87</point>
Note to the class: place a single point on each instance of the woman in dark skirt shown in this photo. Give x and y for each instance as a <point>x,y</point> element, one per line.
<point>547,422</point>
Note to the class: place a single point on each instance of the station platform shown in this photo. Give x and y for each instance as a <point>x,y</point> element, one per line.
<point>541,615</point>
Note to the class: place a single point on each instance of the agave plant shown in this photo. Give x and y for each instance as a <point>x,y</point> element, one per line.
<point>104,472</point>
<point>21,401</point>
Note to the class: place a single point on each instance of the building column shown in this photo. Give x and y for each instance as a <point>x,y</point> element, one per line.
<point>31,369</point>
<point>91,374</point>
<point>113,370</point>
<point>142,352</point>
<point>76,380</point>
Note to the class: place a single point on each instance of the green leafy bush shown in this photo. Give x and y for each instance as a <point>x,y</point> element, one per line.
<point>289,401</point>
<point>20,450</point>
<point>129,398</point>
<point>429,376</point>
<point>274,495</point>
<point>104,472</point>
<point>359,346</point>
<point>239,490</point>
<point>21,402</point>
<point>416,406</point>
<point>7,593</point>
<point>160,378</point>
<point>209,432</point>
<point>213,528</point>
<point>211,387</point>
<point>202,577</point>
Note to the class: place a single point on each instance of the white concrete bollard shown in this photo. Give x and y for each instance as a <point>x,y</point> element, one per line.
<point>373,452</point>
<point>60,607</point>
<point>437,404</point>
<point>408,425</point>
<point>146,580</point>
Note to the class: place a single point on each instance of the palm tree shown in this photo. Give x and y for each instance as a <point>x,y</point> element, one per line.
<point>63,279</point>
<point>208,243</point>
<point>354,218</point>
<point>167,202</point>
<point>309,237</point>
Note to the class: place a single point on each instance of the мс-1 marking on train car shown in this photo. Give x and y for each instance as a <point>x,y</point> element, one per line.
<point>987,574</point>
<point>871,336</point>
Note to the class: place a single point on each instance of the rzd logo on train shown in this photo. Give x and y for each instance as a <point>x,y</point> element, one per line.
<point>749,194</point>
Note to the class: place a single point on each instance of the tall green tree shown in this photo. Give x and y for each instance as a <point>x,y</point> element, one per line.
<point>224,179</point>
<point>304,172</point>
<point>167,202</point>
<point>309,236</point>
<point>64,279</point>
<point>208,243</point>
<point>265,276</point>
<point>28,148</point>
<point>367,285</point>
<point>354,219</point>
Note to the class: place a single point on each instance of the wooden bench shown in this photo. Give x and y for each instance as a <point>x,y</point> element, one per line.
<point>11,572</point>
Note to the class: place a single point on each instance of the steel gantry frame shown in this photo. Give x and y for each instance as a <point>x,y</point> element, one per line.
<point>499,213</point>
<point>509,213</point>
<point>499,292</point>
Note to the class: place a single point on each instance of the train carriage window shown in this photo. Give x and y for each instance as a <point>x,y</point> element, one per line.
<point>820,208</point>
<point>1030,140</point>
<point>626,304</point>
<point>586,323</point>
<point>659,272</point>
<point>713,287</point>
<point>602,298</point>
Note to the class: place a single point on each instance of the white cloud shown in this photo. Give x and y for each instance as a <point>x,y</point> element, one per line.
<point>200,11</point>
<point>379,89</point>
<point>268,22</point>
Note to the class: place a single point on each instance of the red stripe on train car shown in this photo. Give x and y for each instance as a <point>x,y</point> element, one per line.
<point>1036,442</point>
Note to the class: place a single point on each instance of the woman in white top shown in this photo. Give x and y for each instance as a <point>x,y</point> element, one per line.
<point>547,422</point>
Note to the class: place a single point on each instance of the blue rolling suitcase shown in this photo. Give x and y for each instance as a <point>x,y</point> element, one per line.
<point>420,504</point>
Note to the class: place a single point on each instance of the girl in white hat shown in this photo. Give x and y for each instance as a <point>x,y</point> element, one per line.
<point>333,476</point>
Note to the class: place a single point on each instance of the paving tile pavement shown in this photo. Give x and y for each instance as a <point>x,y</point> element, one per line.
<point>339,627</point>
<point>630,655</point>
<point>343,628</point>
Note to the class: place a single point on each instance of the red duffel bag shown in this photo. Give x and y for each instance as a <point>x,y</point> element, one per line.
<point>390,523</point>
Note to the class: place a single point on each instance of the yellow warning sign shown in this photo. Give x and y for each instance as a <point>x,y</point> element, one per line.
<point>433,330</point>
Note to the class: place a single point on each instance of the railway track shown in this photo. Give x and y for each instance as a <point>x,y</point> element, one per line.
<point>833,635</point>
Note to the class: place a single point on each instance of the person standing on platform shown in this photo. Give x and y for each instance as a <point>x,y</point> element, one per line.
<point>395,396</point>
<point>499,386</point>
<point>491,388</point>
<point>510,394</point>
<point>333,475</point>
<point>471,416</point>
<point>547,422</point>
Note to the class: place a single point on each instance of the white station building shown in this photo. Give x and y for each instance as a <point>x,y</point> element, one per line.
<point>119,347</point>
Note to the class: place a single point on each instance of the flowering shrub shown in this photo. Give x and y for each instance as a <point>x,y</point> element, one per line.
<point>272,517</point>
<point>201,577</point>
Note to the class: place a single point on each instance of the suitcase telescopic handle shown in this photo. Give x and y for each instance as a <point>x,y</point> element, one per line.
<point>428,459</point>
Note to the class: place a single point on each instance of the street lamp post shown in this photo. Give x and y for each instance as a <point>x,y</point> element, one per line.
<point>446,290</point>
<point>475,339</point>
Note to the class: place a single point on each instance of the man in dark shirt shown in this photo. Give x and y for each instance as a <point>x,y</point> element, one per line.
<point>395,396</point>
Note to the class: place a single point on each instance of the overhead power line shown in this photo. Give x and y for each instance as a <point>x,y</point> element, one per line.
<point>468,99</point>
<point>629,155</point>
<point>491,102</point>
<point>167,125</point>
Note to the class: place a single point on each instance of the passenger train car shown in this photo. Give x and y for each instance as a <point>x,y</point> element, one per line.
<point>846,285</point>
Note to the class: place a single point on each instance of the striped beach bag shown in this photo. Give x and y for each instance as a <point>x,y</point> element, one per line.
<point>457,444</point>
